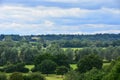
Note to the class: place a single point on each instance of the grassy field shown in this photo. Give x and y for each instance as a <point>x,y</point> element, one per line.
<point>29,66</point>
<point>73,66</point>
<point>72,48</point>
<point>106,64</point>
<point>54,77</point>
<point>49,77</point>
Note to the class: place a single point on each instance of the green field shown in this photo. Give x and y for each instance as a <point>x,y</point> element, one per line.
<point>73,66</point>
<point>54,77</point>
<point>72,48</point>
<point>29,66</point>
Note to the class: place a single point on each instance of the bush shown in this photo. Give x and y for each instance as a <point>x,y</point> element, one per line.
<point>88,62</point>
<point>37,76</point>
<point>47,67</point>
<point>1,70</point>
<point>61,70</point>
<point>34,69</point>
<point>3,76</point>
<point>34,76</point>
<point>72,75</point>
<point>27,77</point>
<point>20,67</point>
<point>16,76</point>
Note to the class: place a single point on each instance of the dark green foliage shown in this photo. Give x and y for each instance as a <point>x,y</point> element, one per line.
<point>27,77</point>
<point>1,70</point>
<point>27,55</point>
<point>47,67</point>
<point>16,76</point>
<point>62,60</point>
<point>94,74</point>
<point>43,57</point>
<point>72,75</point>
<point>20,67</point>
<point>88,62</point>
<point>114,72</point>
<point>3,76</point>
<point>61,70</point>
<point>37,76</point>
<point>35,69</point>
<point>34,76</point>
<point>70,54</point>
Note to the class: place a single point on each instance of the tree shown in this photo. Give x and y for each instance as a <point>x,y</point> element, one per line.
<point>70,54</point>
<point>42,57</point>
<point>72,75</point>
<point>47,67</point>
<point>61,70</point>
<point>62,60</point>
<point>27,55</point>
<point>114,74</point>
<point>20,67</point>
<point>37,76</point>
<point>54,49</point>
<point>88,62</point>
<point>94,74</point>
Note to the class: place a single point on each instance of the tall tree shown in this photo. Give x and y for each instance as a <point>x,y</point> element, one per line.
<point>88,62</point>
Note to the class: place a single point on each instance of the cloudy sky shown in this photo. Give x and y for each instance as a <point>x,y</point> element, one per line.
<point>27,17</point>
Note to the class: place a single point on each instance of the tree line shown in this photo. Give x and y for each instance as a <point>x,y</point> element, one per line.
<point>97,40</point>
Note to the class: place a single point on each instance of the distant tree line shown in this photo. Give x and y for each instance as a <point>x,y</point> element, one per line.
<point>97,40</point>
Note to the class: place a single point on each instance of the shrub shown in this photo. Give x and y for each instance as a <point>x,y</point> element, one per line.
<point>61,70</point>
<point>16,76</point>
<point>47,67</point>
<point>37,76</point>
<point>88,62</point>
<point>20,67</point>
<point>3,76</point>
<point>34,69</point>
<point>27,77</point>
<point>1,70</point>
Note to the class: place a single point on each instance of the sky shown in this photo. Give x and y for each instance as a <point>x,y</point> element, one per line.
<point>34,17</point>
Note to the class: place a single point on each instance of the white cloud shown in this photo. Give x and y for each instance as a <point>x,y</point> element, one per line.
<point>40,12</point>
<point>108,31</point>
<point>34,20</point>
<point>82,1</point>
<point>49,27</point>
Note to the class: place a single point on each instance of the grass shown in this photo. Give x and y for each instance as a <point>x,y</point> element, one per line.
<point>105,64</point>
<point>49,77</point>
<point>54,77</point>
<point>72,48</point>
<point>29,66</point>
<point>73,66</point>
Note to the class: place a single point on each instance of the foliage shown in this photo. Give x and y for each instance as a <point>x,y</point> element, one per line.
<point>62,60</point>
<point>88,62</point>
<point>47,67</point>
<point>72,75</point>
<point>20,67</point>
<point>16,76</point>
<point>94,74</point>
<point>114,73</point>
<point>61,70</point>
<point>37,76</point>
<point>3,76</point>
